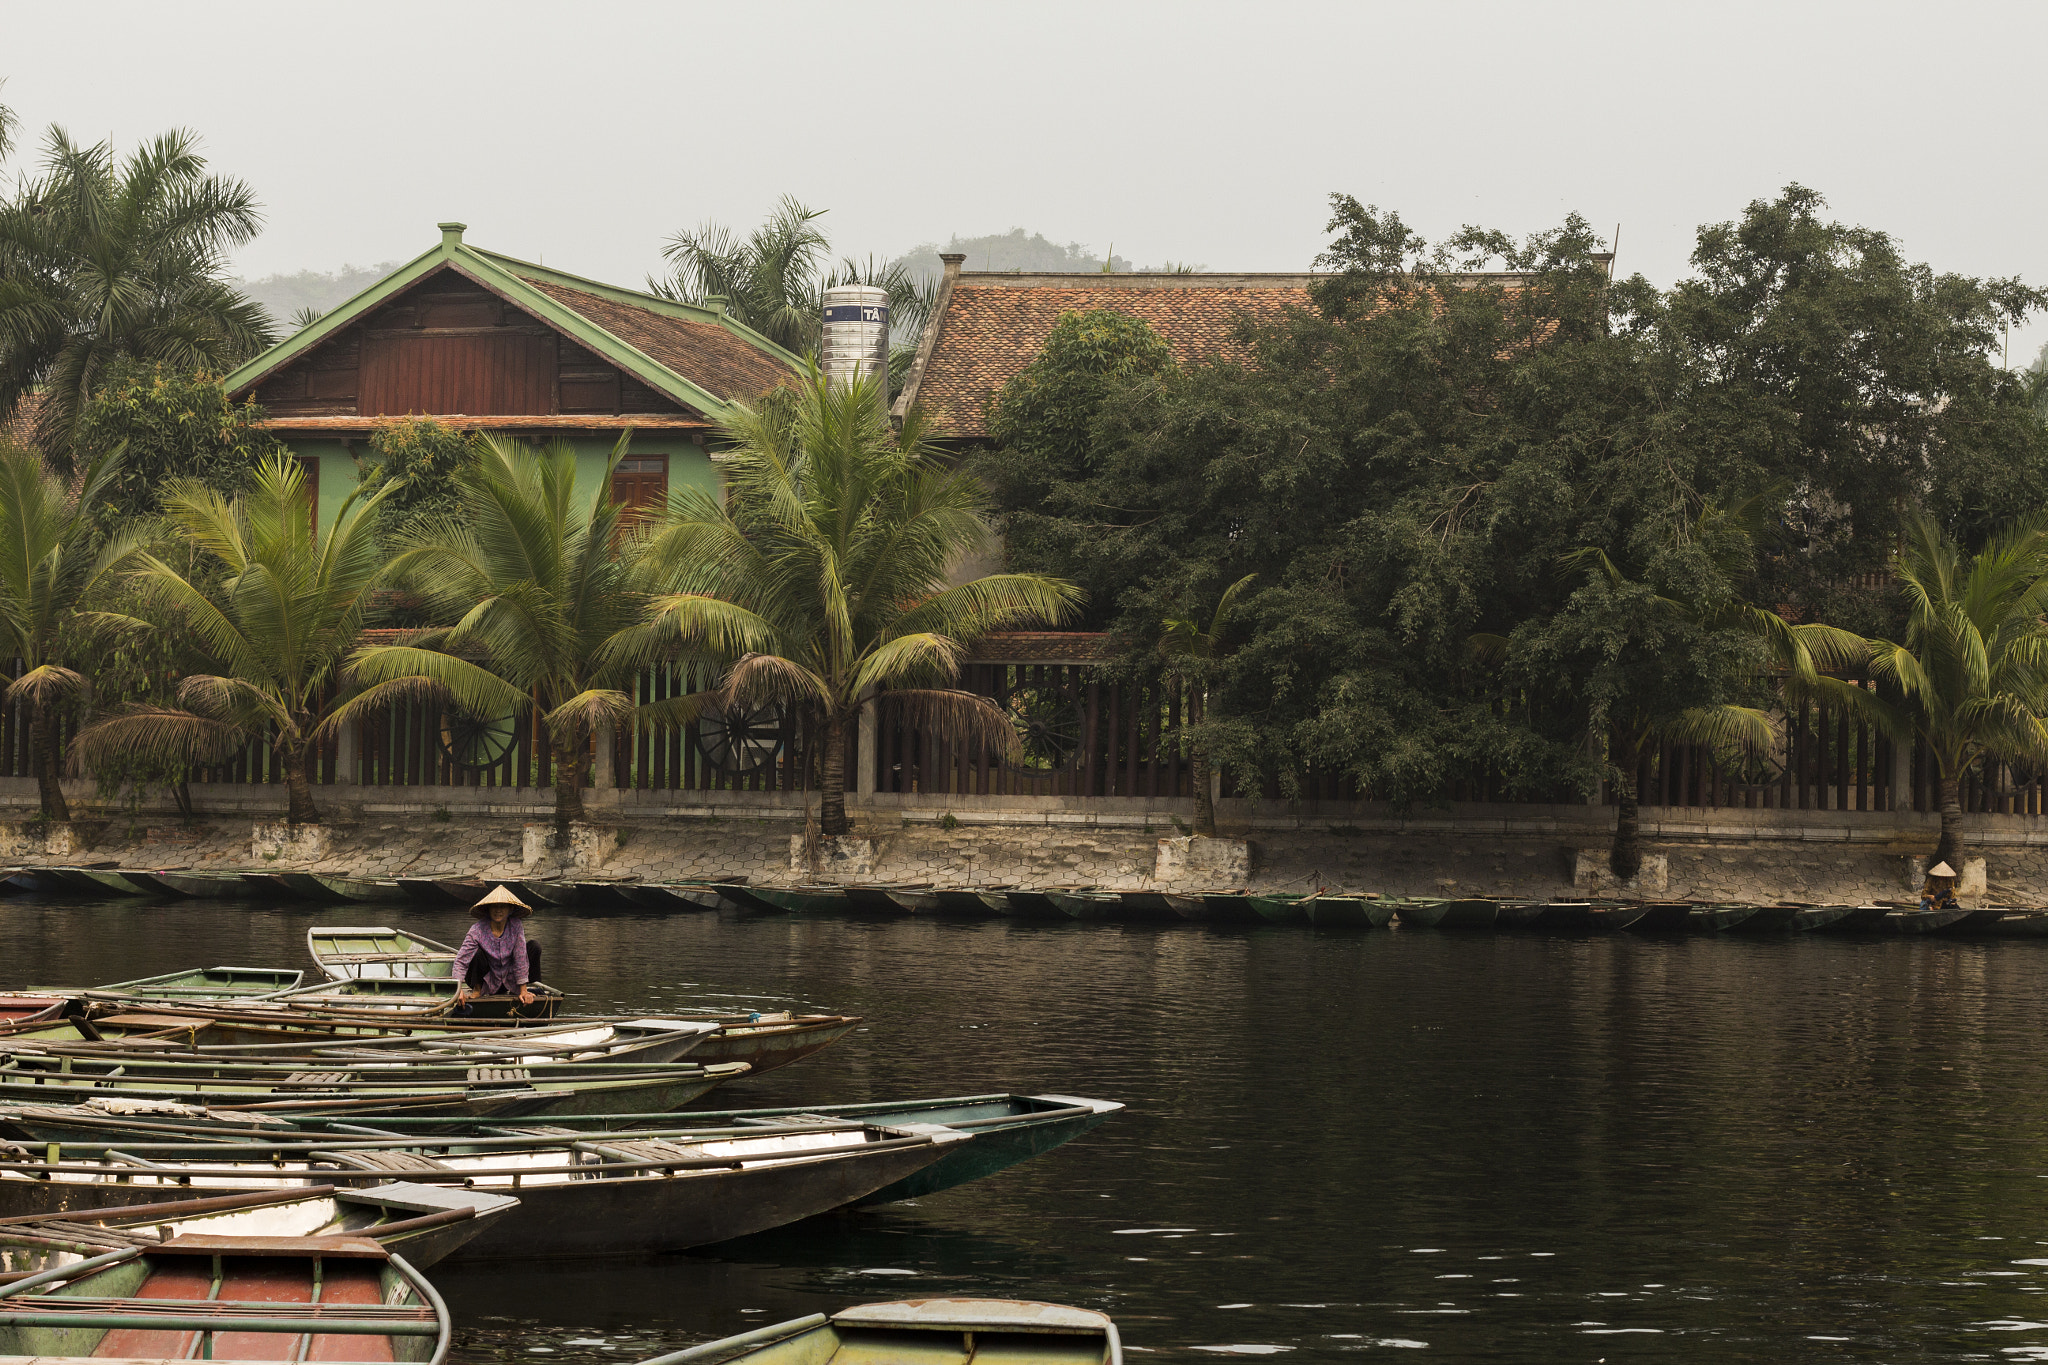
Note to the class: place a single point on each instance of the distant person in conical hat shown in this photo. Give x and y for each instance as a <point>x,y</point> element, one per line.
<point>495,957</point>
<point>1939,891</point>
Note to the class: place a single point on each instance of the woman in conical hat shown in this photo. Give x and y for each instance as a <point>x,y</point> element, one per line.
<point>1939,891</point>
<point>495,958</point>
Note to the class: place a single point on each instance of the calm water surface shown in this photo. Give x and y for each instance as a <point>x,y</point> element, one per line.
<point>1481,1148</point>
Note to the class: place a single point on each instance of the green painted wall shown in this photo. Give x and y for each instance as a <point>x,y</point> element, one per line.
<point>688,465</point>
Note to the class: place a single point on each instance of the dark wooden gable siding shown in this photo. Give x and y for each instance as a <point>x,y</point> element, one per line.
<point>450,346</point>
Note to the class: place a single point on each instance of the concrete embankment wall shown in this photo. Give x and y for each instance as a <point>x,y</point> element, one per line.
<point>1517,851</point>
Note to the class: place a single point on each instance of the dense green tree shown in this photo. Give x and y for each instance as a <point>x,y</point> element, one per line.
<point>1409,463</point>
<point>424,459</point>
<point>177,426</point>
<point>50,570</point>
<point>276,620</point>
<point>104,260</point>
<point>824,572</point>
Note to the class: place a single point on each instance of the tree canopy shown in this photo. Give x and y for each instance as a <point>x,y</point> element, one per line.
<point>1411,463</point>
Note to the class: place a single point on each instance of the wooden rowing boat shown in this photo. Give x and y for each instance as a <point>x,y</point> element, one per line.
<point>986,902</point>
<point>1003,1130</point>
<point>1086,903</point>
<point>1029,903</point>
<point>480,1089</point>
<point>1280,907</point>
<point>96,881</point>
<point>600,1195</point>
<point>1665,917</point>
<point>671,896</point>
<point>926,1331</point>
<point>329,1299</point>
<point>1722,918</point>
<point>361,888</point>
<point>1348,912</point>
<point>218,886</point>
<point>1433,912</point>
<point>422,1223</point>
<point>207,983</point>
<point>355,952</point>
<point>1224,907</point>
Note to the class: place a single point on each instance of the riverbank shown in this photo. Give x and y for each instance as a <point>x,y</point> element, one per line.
<point>1828,857</point>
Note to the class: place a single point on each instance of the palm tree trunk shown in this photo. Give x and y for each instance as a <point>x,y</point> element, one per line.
<point>298,788</point>
<point>568,761</point>
<point>43,758</point>
<point>832,819</point>
<point>1950,849</point>
<point>1625,858</point>
<point>1205,809</point>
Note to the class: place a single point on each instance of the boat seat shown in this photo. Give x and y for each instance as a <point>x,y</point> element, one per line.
<point>644,1149</point>
<point>500,1075</point>
<point>326,1080</point>
<point>379,1161</point>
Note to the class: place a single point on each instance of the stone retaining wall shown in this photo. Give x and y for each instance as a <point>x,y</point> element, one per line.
<point>1751,861</point>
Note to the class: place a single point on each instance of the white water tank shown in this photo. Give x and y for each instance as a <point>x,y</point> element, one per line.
<point>856,340</point>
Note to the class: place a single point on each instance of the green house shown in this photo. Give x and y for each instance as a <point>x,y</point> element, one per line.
<point>484,342</point>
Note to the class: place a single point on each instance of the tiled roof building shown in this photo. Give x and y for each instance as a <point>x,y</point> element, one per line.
<point>986,327</point>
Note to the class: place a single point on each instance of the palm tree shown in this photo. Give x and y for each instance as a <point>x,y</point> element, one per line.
<point>100,262</point>
<point>48,571</point>
<point>537,572</point>
<point>278,627</point>
<point>1970,679</point>
<point>1651,644</point>
<point>1191,654</point>
<point>825,571</point>
<point>774,280</point>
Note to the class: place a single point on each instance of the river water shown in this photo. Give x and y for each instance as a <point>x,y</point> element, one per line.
<point>1472,1147</point>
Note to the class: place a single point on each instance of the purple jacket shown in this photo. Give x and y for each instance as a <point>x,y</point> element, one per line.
<point>505,955</point>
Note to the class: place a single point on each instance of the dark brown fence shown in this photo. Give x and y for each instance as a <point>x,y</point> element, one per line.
<point>1083,735</point>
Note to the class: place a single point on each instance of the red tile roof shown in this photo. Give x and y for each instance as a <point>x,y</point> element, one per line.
<point>702,352</point>
<point>993,324</point>
<point>1041,647</point>
<point>639,421</point>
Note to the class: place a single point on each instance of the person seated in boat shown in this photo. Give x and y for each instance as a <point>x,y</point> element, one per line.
<point>1939,892</point>
<point>496,957</point>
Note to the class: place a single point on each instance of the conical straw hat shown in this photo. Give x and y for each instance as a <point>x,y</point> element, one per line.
<point>499,896</point>
<point>1941,870</point>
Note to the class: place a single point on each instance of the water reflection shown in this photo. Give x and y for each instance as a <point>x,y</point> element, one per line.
<point>1501,1148</point>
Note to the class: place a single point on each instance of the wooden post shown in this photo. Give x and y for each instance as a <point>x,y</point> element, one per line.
<point>865,760</point>
<point>347,743</point>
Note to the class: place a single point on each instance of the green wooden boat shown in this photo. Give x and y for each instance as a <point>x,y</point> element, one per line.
<point>985,902</point>
<point>802,900</point>
<point>219,886</point>
<point>348,952</point>
<point>882,902</point>
<point>673,897</point>
<point>1085,904</point>
<point>1434,912</point>
<point>1348,912</point>
<point>1029,903</point>
<point>95,881</point>
<point>208,983</point>
<point>1280,907</point>
<point>922,1332</point>
<point>1722,918</point>
<point>197,1296</point>
<point>1227,907</point>
<point>1925,921</point>
<point>361,888</point>
<point>1664,917</point>
<point>1846,919</point>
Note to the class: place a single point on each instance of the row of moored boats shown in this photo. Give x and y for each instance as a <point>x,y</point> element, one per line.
<point>231,1162</point>
<point>1323,908</point>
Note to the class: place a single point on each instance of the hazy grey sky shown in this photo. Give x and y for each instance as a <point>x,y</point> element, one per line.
<point>1195,131</point>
